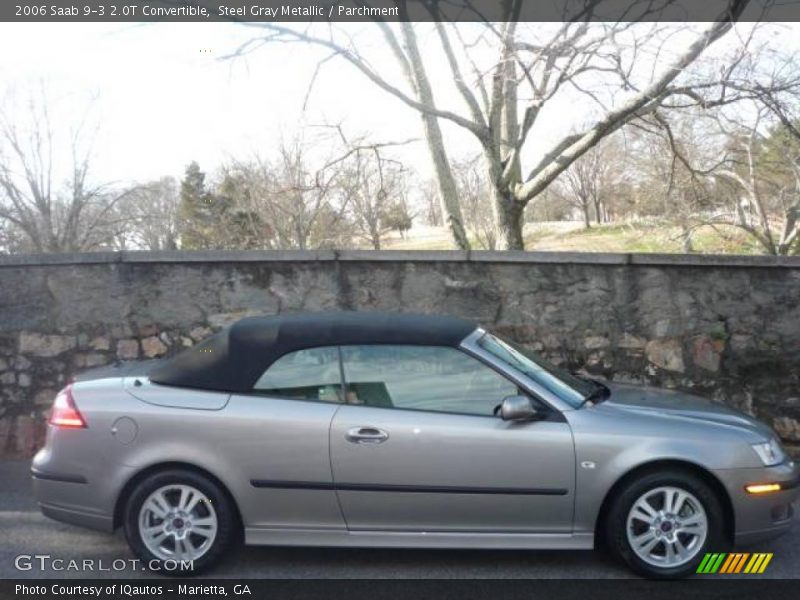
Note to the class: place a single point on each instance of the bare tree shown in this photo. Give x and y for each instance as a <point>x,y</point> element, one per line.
<point>76,216</point>
<point>551,206</point>
<point>763,181</point>
<point>581,185</point>
<point>152,214</point>
<point>298,197</point>
<point>475,195</point>
<point>405,48</point>
<point>590,183</point>
<point>288,195</point>
<point>431,203</point>
<point>12,239</point>
<point>577,186</point>
<point>321,193</point>
<point>671,188</point>
<point>527,73</point>
<point>743,166</point>
<point>373,187</point>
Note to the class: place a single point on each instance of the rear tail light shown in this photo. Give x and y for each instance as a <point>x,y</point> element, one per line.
<point>65,413</point>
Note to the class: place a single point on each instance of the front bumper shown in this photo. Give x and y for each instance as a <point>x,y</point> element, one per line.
<point>759,517</point>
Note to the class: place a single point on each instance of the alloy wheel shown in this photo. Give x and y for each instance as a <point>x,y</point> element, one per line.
<point>667,527</point>
<point>178,522</point>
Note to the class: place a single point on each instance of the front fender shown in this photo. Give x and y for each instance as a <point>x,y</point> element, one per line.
<point>609,446</point>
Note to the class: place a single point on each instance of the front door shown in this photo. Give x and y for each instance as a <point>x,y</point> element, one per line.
<point>416,447</point>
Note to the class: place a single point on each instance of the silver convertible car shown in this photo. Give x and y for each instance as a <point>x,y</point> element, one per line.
<point>399,430</point>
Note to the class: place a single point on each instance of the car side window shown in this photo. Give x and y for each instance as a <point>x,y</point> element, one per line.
<point>311,374</point>
<point>430,378</point>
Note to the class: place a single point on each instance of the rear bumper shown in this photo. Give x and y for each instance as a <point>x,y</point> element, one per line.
<point>77,517</point>
<point>59,494</point>
<point>761,517</point>
<point>66,490</point>
<point>60,477</point>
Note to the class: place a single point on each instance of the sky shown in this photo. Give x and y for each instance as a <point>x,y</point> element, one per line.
<point>164,95</point>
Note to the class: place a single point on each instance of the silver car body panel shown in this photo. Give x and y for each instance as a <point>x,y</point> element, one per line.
<point>446,472</point>
<point>161,395</point>
<point>439,480</point>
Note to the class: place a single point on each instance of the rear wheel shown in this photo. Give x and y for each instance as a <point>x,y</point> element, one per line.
<point>179,522</point>
<point>663,523</point>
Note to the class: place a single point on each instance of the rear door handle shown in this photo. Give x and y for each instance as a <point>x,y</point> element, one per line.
<point>366,435</point>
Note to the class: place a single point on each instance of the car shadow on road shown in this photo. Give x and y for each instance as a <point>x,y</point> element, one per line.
<point>420,564</point>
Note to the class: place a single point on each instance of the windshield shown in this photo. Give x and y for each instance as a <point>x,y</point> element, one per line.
<point>563,384</point>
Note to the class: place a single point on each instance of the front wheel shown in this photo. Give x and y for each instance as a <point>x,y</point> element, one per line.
<point>179,522</point>
<point>663,523</point>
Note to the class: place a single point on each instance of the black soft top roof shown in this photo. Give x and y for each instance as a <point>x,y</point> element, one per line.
<point>234,359</point>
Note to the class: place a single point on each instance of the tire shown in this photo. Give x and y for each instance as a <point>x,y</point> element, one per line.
<point>202,524</point>
<point>626,528</point>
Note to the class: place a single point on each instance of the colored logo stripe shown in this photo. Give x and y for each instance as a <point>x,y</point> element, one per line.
<point>765,563</point>
<point>728,562</point>
<point>741,562</point>
<point>711,562</point>
<point>734,563</point>
<point>701,568</point>
<point>758,563</point>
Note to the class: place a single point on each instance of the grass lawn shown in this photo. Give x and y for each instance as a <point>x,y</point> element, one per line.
<point>613,237</point>
<point>624,237</point>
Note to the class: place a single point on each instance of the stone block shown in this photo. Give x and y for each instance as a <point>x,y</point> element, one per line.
<point>127,349</point>
<point>666,353</point>
<point>153,347</point>
<point>39,344</point>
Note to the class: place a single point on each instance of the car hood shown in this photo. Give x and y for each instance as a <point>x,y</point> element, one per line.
<point>674,403</point>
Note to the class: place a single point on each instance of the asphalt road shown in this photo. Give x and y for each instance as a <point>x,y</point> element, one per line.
<point>24,531</point>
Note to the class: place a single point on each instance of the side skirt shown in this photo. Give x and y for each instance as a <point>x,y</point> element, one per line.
<point>415,539</point>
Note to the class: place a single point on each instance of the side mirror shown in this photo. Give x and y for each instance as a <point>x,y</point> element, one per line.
<point>518,408</point>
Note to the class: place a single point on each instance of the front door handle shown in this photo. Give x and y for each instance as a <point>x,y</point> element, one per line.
<point>366,435</point>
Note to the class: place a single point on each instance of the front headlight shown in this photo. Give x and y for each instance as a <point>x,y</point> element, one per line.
<point>770,453</point>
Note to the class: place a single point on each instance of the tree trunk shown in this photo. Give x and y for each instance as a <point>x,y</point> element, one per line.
<point>433,135</point>
<point>448,191</point>
<point>686,237</point>
<point>587,221</point>
<point>789,235</point>
<point>509,220</point>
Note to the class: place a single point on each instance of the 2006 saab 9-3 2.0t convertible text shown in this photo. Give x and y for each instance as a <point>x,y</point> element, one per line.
<point>397,430</point>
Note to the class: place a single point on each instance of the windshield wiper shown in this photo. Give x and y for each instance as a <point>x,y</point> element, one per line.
<point>597,395</point>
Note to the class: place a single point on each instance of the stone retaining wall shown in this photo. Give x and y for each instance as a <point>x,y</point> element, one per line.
<point>724,327</point>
